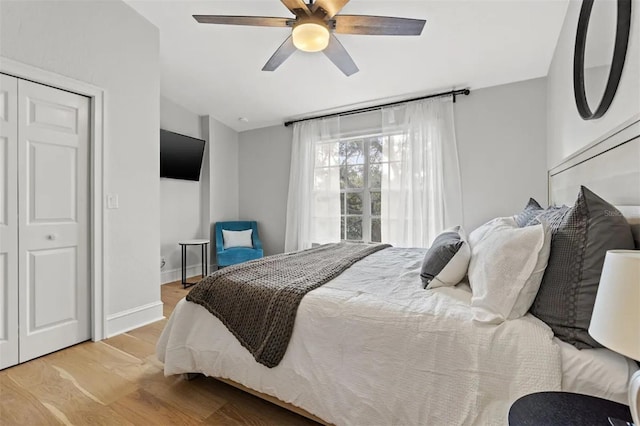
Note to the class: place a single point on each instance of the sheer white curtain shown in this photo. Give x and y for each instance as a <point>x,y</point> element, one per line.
<point>313,206</point>
<point>420,189</point>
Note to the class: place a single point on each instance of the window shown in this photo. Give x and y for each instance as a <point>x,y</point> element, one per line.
<point>397,184</point>
<point>362,162</point>
<point>360,175</point>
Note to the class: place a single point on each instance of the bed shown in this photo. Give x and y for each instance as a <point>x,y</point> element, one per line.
<point>371,346</point>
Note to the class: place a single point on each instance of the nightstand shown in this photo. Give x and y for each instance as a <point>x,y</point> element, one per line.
<point>565,408</point>
<point>205,260</point>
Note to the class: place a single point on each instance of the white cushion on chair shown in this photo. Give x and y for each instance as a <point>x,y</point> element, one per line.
<point>237,238</point>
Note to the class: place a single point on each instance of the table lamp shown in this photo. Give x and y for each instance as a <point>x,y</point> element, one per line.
<point>615,322</point>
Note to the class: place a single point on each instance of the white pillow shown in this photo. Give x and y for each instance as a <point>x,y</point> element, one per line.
<point>506,268</point>
<point>480,232</point>
<point>237,238</point>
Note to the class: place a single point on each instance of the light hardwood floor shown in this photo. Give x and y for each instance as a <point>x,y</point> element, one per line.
<point>119,381</point>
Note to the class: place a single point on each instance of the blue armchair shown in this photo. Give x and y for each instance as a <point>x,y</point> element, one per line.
<point>234,255</point>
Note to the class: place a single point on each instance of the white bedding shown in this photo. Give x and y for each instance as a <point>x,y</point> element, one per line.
<point>599,372</point>
<point>380,351</point>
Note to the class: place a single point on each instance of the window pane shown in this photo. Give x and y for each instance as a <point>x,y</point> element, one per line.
<point>322,177</point>
<point>394,174</point>
<point>354,228</point>
<point>354,203</point>
<point>381,155</point>
<point>351,152</point>
<point>352,177</point>
<point>375,150</point>
<point>376,204</point>
<point>334,154</point>
<point>325,154</point>
<point>376,233</point>
<point>392,148</point>
<point>375,175</point>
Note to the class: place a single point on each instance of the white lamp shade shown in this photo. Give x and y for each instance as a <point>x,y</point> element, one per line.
<point>615,322</point>
<point>310,36</point>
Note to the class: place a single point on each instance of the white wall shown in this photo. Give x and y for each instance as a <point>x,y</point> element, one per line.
<point>501,133</point>
<point>180,207</point>
<point>567,131</point>
<point>110,46</point>
<point>219,191</point>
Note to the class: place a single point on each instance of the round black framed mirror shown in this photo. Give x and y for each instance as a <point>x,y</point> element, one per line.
<point>621,26</point>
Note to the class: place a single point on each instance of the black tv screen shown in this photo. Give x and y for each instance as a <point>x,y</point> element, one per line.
<point>180,156</point>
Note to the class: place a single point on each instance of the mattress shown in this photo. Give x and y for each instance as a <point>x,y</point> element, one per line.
<point>373,347</point>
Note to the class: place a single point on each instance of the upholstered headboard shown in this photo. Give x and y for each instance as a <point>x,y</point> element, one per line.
<point>610,167</point>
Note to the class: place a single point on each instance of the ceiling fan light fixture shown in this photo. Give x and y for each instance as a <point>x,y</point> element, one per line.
<point>310,36</point>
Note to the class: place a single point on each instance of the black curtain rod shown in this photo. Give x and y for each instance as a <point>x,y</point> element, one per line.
<point>453,93</point>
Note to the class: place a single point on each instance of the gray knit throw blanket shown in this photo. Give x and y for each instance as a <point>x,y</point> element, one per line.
<point>258,300</point>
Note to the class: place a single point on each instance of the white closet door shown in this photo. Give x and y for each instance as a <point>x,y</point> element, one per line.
<point>53,268</point>
<point>8,221</point>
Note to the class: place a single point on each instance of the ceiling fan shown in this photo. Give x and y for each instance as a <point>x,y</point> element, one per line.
<point>314,26</point>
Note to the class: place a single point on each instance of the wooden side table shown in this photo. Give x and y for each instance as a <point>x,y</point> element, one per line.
<point>205,268</point>
<point>566,409</point>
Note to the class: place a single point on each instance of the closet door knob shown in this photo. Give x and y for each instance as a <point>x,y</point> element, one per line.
<point>51,237</point>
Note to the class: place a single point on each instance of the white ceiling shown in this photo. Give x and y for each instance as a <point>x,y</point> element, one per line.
<point>216,69</point>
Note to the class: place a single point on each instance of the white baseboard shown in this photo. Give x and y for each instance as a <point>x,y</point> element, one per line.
<point>171,275</point>
<point>139,316</point>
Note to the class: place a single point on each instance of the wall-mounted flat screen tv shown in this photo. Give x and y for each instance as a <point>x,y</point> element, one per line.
<point>180,156</point>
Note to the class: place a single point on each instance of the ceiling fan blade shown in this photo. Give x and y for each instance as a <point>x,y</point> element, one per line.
<point>329,8</point>
<point>378,25</point>
<point>284,51</point>
<point>339,56</point>
<point>257,21</point>
<point>297,7</point>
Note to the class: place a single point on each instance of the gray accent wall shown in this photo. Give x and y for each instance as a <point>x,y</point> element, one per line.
<point>264,161</point>
<point>501,133</point>
<point>220,187</point>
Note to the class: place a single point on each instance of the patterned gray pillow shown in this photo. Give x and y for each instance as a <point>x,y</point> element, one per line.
<point>531,210</point>
<point>549,212</point>
<point>447,246</point>
<point>581,236</point>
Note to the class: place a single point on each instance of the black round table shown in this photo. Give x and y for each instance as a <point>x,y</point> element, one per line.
<point>205,260</point>
<point>566,409</point>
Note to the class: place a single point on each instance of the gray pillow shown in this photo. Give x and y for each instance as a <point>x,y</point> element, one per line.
<point>550,211</point>
<point>531,210</point>
<point>581,236</point>
<point>447,260</point>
